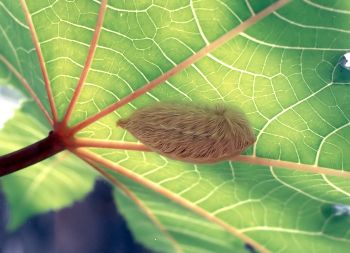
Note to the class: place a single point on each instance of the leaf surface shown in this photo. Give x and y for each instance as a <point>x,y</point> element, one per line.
<point>180,230</point>
<point>18,50</point>
<point>282,71</point>
<point>50,185</point>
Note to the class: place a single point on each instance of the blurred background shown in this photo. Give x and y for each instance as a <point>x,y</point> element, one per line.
<point>92,225</point>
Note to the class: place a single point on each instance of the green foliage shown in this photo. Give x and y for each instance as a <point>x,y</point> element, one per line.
<point>283,72</point>
<point>184,229</point>
<point>48,185</point>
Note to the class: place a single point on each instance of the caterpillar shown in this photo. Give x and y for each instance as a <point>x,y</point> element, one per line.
<point>191,133</point>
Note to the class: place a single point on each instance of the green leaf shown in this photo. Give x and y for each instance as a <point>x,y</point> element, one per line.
<point>50,185</point>
<point>270,205</point>
<point>282,71</point>
<point>18,50</point>
<point>180,229</point>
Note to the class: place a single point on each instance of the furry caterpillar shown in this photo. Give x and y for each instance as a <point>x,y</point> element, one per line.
<point>190,133</point>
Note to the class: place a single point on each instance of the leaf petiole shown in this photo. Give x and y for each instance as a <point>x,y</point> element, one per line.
<point>31,154</point>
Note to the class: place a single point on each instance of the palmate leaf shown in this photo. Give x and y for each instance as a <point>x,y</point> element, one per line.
<point>282,71</point>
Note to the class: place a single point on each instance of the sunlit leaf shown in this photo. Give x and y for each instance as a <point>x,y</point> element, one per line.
<point>50,185</point>
<point>283,71</point>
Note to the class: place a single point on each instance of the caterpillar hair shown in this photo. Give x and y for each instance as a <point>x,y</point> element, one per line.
<point>191,133</point>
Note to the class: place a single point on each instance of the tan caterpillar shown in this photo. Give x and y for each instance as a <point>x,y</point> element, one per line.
<point>191,133</point>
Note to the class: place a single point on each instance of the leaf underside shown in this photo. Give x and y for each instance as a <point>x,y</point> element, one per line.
<point>282,71</point>
<point>49,185</point>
